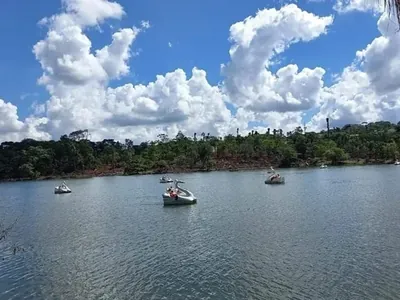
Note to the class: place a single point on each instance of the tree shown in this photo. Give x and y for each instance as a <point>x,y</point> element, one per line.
<point>327,125</point>
<point>335,155</point>
<point>203,135</point>
<point>205,151</point>
<point>393,7</point>
<point>33,159</point>
<point>78,135</point>
<point>180,136</point>
<point>163,138</point>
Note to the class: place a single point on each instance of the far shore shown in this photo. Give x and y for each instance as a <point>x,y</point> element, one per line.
<point>120,171</point>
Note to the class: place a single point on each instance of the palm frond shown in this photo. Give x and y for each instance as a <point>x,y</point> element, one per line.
<point>393,7</point>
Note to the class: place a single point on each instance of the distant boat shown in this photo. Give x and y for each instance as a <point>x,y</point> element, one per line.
<point>165,179</point>
<point>275,179</point>
<point>62,189</point>
<point>323,166</point>
<point>178,195</point>
<point>397,163</point>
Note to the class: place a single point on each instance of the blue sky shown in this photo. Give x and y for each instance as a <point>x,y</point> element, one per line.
<point>197,30</point>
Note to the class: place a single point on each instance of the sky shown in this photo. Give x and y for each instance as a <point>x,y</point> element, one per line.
<point>136,69</point>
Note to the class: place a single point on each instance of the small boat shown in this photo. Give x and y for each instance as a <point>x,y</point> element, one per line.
<point>275,179</point>
<point>165,179</point>
<point>178,195</point>
<point>397,163</point>
<point>62,189</point>
<point>323,166</point>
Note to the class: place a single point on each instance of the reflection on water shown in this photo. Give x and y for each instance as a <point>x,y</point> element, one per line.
<point>326,234</point>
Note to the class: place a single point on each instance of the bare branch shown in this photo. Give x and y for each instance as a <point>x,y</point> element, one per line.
<point>4,231</point>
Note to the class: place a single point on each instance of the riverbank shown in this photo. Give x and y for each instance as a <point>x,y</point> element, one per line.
<point>219,166</point>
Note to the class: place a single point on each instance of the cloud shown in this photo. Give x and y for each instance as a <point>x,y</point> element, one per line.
<point>369,89</point>
<point>256,42</point>
<point>145,24</point>
<point>346,6</point>
<point>170,44</point>
<point>27,95</point>
<point>77,78</point>
<point>38,109</point>
<point>12,129</point>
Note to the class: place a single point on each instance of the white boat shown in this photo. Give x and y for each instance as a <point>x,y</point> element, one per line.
<point>62,189</point>
<point>271,170</point>
<point>275,179</point>
<point>397,163</point>
<point>178,195</point>
<point>323,166</point>
<point>165,179</point>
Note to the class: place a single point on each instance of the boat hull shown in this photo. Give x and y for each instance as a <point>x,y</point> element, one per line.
<point>280,181</point>
<point>62,192</point>
<point>178,200</point>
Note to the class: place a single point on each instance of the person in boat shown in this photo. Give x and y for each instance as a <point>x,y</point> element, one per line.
<point>173,194</point>
<point>275,176</point>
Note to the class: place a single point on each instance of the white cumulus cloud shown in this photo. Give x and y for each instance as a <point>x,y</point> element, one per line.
<point>368,90</point>
<point>346,6</point>
<point>13,129</point>
<point>256,40</point>
<point>77,78</point>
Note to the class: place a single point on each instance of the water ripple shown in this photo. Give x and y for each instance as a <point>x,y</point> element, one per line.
<point>337,238</point>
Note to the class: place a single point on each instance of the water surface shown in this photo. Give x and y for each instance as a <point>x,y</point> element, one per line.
<point>325,234</point>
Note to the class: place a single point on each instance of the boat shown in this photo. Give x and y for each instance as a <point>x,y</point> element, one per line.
<point>271,170</point>
<point>275,179</point>
<point>165,179</point>
<point>397,163</point>
<point>62,189</point>
<point>178,195</point>
<point>323,166</point>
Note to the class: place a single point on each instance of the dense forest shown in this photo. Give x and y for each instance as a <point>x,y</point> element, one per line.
<point>75,155</point>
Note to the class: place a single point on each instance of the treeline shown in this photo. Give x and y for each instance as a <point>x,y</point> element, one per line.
<point>76,154</point>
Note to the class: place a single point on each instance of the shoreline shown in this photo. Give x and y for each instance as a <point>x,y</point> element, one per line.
<point>245,167</point>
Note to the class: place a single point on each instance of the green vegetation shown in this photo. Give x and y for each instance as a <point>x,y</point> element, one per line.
<point>76,155</point>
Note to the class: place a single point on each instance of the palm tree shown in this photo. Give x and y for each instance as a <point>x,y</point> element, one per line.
<point>327,125</point>
<point>393,7</point>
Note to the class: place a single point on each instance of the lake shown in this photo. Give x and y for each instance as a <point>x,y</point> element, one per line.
<point>325,234</point>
